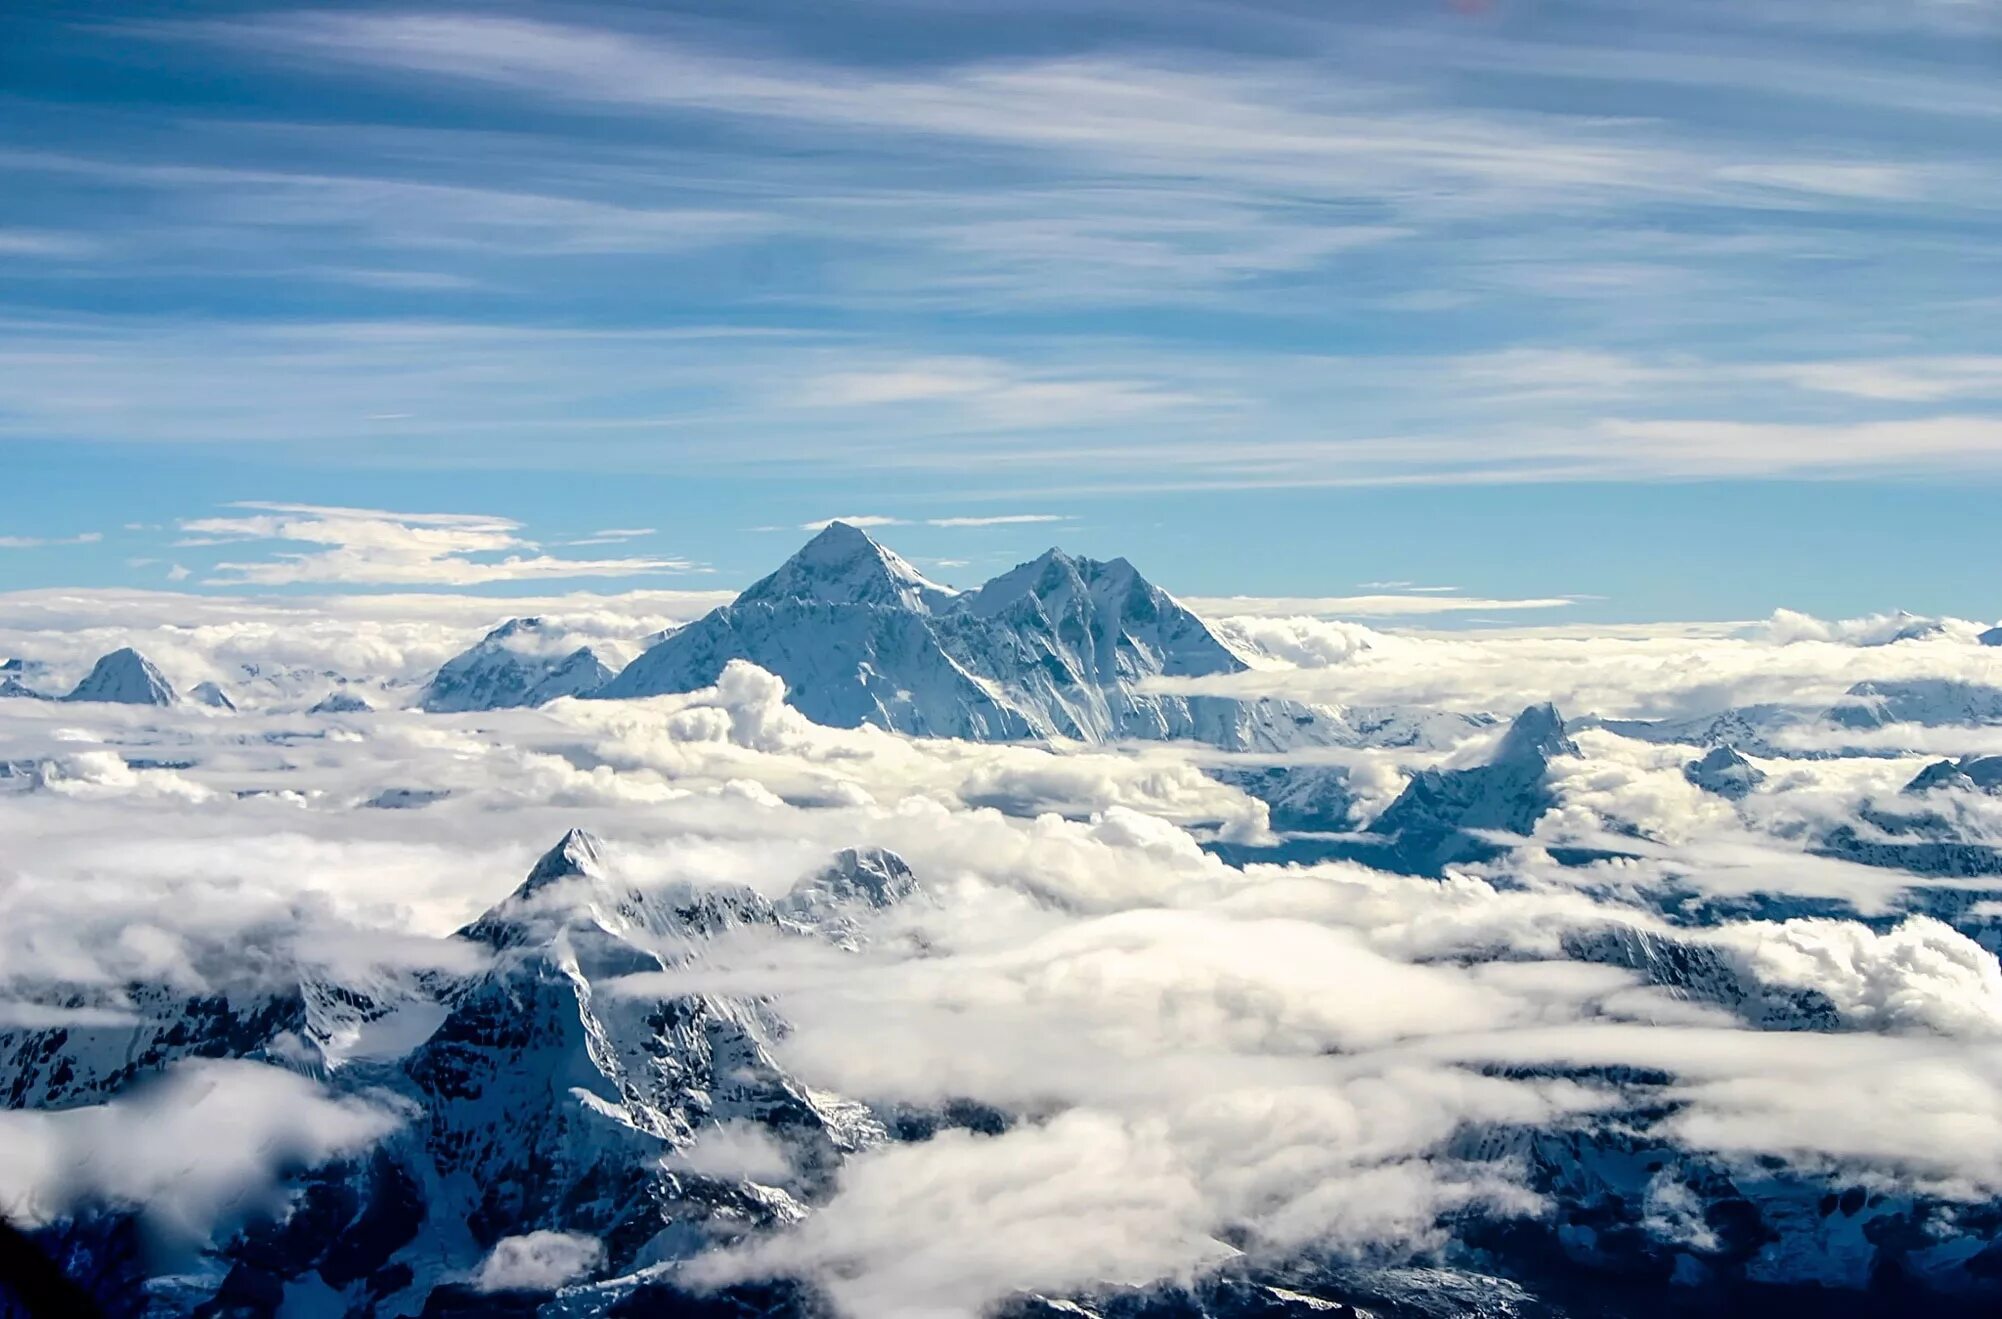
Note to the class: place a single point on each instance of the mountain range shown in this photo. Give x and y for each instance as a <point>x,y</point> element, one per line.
<point>1060,647</point>
<point>551,1087</point>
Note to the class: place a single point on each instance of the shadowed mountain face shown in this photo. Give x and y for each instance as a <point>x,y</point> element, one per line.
<point>556,1084</point>
<point>1722,771</point>
<point>534,1094</point>
<point>1058,647</point>
<point>1442,813</point>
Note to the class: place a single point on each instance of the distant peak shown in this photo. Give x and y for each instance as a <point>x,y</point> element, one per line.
<point>125,677</point>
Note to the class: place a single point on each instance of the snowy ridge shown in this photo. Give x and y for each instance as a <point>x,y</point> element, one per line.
<point>508,668</point>
<point>1060,647</point>
<point>544,1095</point>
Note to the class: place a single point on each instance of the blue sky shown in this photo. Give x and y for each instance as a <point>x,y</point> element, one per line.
<point>1678,311</point>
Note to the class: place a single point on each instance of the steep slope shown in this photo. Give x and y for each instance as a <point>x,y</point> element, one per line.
<point>124,677</point>
<point>519,663</point>
<point>1058,647</point>
<point>844,565</point>
<point>541,1093</point>
<point>1442,813</point>
<point>1970,773</point>
<point>213,696</point>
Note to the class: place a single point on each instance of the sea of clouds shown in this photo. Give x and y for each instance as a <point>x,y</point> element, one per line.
<point>1206,1059</point>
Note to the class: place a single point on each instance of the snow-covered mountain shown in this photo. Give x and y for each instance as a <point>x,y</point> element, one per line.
<point>1723,771</point>
<point>124,677</point>
<point>1060,647</point>
<point>519,663</point>
<point>1760,729</point>
<point>1443,815</point>
<point>339,701</point>
<point>1971,773</point>
<point>1933,702</point>
<point>212,695</point>
<point>541,1096</point>
<point>555,1085</point>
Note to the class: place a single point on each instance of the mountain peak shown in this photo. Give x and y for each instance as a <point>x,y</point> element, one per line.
<point>845,565</point>
<point>124,677</point>
<point>530,912</point>
<point>1722,770</point>
<point>1537,733</point>
<point>577,854</point>
<point>514,627</point>
<point>520,663</point>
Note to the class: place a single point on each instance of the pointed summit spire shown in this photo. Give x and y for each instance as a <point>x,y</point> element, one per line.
<point>845,565</point>
<point>1536,734</point>
<point>517,917</point>
<point>578,854</point>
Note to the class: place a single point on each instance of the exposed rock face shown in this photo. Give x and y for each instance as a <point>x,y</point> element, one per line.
<point>1441,814</point>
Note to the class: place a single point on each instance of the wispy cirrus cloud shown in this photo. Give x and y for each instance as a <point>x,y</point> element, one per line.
<point>365,546</point>
<point>1413,602</point>
<point>614,536</point>
<point>38,542</point>
<point>1272,123</point>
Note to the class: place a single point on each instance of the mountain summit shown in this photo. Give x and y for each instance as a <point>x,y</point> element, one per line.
<point>124,677</point>
<point>523,662</point>
<point>844,565</point>
<point>1059,647</point>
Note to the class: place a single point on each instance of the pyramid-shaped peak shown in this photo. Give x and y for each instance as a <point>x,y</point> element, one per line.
<point>1721,770</point>
<point>1722,756</point>
<point>212,695</point>
<point>1536,734</point>
<point>578,854</point>
<point>845,565</point>
<point>517,918</point>
<point>340,702</point>
<point>124,677</point>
